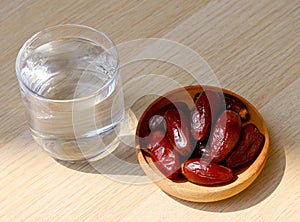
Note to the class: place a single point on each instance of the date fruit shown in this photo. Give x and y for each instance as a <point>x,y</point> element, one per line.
<point>234,104</point>
<point>178,132</point>
<point>201,149</point>
<point>156,138</point>
<point>164,157</point>
<point>215,104</point>
<point>248,147</point>
<point>204,172</point>
<point>225,135</point>
<point>200,117</point>
<point>157,122</point>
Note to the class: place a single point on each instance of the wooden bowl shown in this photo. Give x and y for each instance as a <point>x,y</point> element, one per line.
<point>180,187</point>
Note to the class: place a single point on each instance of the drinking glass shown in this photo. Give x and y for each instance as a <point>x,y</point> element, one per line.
<point>71,89</point>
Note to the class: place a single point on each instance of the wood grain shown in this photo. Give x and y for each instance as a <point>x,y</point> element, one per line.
<point>253,49</point>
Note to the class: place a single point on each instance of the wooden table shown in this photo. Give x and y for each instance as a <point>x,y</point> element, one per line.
<point>252,48</point>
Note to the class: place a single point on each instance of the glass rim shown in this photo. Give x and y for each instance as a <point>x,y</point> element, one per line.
<point>36,35</point>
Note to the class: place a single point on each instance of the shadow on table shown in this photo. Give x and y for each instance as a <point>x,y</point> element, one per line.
<point>122,166</point>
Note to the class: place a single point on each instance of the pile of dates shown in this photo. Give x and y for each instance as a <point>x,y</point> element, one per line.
<point>206,143</point>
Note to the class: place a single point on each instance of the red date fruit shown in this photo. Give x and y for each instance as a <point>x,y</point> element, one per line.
<point>165,158</point>
<point>157,138</point>
<point>201,118</point>
<point>201,149</point>
<point>203,172</point>
<point>178,132</point>
<point>236,105</point>
<point>225,135</point>
<point>157,122</point>
<point>248,147</point>
<point>215,104</point>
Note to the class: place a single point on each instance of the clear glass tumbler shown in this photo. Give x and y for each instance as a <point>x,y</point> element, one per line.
<point>70,86</point>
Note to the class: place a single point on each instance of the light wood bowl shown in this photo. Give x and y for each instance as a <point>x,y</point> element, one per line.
<point>180,187</point>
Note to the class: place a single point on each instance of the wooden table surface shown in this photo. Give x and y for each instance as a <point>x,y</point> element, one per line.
<point>249,47</point>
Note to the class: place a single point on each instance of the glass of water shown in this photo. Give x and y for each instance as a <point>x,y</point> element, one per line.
<point>71,89</point>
